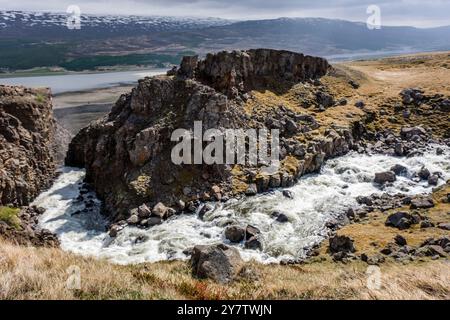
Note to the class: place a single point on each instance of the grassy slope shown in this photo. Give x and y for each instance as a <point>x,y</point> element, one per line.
<point>30,273</point>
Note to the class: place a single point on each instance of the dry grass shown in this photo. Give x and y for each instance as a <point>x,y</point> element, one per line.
<point>32,273</point>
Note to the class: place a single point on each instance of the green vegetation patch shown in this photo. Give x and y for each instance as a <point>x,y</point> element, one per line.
<point>9,215</point>
<point>93,62</point>
<point>21,55</point>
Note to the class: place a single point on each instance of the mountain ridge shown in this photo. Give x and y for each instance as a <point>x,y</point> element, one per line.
<point>45,41</point>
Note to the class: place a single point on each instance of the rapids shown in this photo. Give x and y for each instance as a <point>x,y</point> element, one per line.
<point>318,198</point>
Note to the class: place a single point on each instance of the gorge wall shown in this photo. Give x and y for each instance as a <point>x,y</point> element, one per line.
<point>29,149</point>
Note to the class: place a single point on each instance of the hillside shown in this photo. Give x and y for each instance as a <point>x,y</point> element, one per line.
<point>29,40</point>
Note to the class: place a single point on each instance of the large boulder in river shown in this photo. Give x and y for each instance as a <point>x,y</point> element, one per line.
<point>235,234</point>
<point>28,144</point>
<point>384,177</point>
<point>220,263</point>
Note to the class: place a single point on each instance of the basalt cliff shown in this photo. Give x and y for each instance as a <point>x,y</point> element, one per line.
<point>30,144</point>
<point>127,154</point>
<point>31,147</point>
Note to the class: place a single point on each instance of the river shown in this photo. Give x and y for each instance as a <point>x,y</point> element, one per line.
<point>82,81</point>
<point>318,199</point>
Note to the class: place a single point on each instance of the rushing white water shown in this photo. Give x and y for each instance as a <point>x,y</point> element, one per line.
<point>317,199</point>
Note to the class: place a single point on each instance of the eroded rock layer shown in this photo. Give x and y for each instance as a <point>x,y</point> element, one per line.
<point>28,149</point>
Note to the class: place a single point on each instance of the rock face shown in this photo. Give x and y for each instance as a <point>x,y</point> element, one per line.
<point>242,71</point>
<point>219,263</point>
<point>127,155</point>
<point>28,145</point>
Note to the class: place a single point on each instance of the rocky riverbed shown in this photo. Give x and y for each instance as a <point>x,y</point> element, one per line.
<point>283,225</point>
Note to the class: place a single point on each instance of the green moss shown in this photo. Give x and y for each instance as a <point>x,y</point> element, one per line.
<point>141,185</point>
<point>9,215</point>
<point>40,98</point>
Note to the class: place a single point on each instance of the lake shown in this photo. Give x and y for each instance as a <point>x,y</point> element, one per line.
<point>82,82</point>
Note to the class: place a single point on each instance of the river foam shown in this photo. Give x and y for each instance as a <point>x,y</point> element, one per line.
<point>318,199</point>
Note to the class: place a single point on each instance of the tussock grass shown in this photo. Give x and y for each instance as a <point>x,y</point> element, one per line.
<point>42,273</point>
<point>9,215</point>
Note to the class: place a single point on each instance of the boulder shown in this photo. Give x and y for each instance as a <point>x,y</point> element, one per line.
<point>400,220</point>
<point>251,190</point>
<point>444,226</point>
<point>220,263</point>
<point>251,232</point>
<point>291,126</point>
<point>134,219</point>
<point>424,173</point>
<point>354,84</point>
<point>400,240</point>
<point>360,104</point>
<point>433,180</point>
<point>430,251</point>
<point>114,230</point>
<point>253,243</point>
<point>144,211</point>
<point>426,224</point>
<point>288,194</point>
<point>235,234</point>
<point>341,244</point>
<point>372,260</point>
<point>364,200</point>
<point>384,177</point>
<point>422,203</point>
<point>412,96</point>
<point>154,221</point>
<point>407,133</point>
<point>324,99</point>
<point>280,217</point>
<point>160,210</point>
<point>399,170</point>
<point>342,102</point>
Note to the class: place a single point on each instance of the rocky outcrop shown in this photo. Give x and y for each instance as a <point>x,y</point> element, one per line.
<point>434,248</point>
<point>237,72</point>
<point>28,148</point>
<point>128,153</point>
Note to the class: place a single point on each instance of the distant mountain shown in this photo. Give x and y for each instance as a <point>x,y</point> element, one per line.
<point>52,26</point>
<point>325,36</point>
<point>30,40</point>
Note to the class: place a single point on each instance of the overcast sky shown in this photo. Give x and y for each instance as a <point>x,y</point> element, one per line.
<point>421,13</point>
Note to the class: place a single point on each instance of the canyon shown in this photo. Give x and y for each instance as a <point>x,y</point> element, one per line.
<point>360,150</point>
